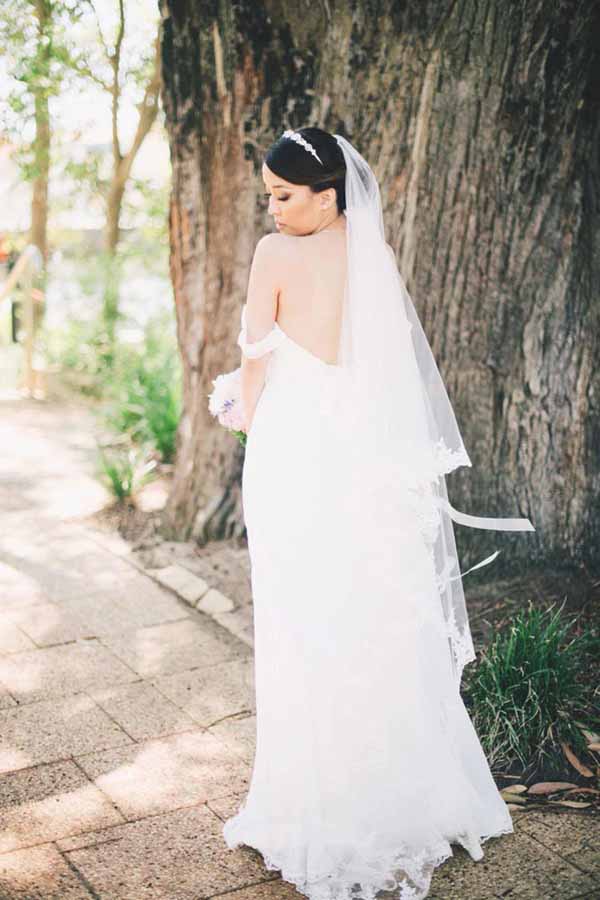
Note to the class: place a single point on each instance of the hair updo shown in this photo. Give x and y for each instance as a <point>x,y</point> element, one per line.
<point>297,165</point>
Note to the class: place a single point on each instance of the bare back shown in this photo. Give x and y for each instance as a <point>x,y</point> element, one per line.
<point>310,300</point>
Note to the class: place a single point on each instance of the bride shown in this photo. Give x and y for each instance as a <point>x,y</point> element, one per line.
<point>367,766</point>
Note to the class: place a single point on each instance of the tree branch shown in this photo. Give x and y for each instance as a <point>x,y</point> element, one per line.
<point>148,109</point>
<point>115,61</point>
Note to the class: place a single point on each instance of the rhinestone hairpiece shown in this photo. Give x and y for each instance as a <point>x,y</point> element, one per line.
<point>295,136</point>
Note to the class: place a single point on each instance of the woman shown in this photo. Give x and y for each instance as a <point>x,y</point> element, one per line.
<point>367,765</point>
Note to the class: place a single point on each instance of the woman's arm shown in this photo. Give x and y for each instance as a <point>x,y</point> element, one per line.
<point>261,313</point>
<point>253,382</point>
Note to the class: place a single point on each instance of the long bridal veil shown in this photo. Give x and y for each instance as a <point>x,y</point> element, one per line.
<point>401,425</point>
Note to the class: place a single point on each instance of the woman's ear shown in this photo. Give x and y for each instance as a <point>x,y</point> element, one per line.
<point>327,198</point>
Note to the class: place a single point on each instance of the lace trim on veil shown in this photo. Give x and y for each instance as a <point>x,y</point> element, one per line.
<point>447,460</point>
<point>429,517</point>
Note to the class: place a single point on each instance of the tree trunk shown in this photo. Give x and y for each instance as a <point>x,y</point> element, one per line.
<point>41,143</point>
<point>481,121</point>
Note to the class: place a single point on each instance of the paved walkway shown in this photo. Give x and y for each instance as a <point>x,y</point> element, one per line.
<point>127,722</point>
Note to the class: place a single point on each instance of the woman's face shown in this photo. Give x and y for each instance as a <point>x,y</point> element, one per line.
<point>295,208</point>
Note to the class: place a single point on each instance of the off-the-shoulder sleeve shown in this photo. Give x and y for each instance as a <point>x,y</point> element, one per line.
<point>256,349</point>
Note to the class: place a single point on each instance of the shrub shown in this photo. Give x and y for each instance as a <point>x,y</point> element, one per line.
<point>83,349</point>
<point>144,391</point>
<point>125,470</point>
<point>139,381</point>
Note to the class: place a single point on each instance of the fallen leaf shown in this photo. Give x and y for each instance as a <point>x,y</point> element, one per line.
<point>574,804</point>
<point>514,807</point>
<point>549,787</point>
<point>594,746</point>
<point>513,798</point>
<point>582,790</point>
<point>515,789</point>
<point>576,763</point>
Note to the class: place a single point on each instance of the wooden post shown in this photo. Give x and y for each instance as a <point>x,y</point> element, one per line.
<point>29,262</point>
<point>28,323</point>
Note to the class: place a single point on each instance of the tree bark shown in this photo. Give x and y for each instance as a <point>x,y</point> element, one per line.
<point>481,121</point>
<point>41,143</point>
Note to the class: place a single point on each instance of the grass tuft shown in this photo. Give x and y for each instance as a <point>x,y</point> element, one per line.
<point>529,694</point>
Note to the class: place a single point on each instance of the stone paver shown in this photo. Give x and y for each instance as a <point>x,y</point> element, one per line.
<point>17,589</point>
<point>172,647</point>
<point>214,602</point>
<point>179,855</point>
<point>6,701</point>
<point>47,802</point>
<point>222,564</point>
<point>239,733</point>
<point>239,622</point>
<point>55,729</point>
<point>13,639</point>
<point>62,670</point>
<point>576,838</point>
<point>40,873</point>
<point>127,708</point>
<point>135,604</point>
<point>212,693</point>
<point>47,624</point>
<point>513,866</point>
<point>141,710</point>
<point>167,773</point>
<point>184,583</point>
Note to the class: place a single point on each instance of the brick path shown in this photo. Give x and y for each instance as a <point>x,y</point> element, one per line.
<point>127,721</point>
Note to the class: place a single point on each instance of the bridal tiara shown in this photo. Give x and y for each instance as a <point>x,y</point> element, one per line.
<point>297,137</point>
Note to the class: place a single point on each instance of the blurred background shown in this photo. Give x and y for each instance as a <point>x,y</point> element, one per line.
<point>84,181</point>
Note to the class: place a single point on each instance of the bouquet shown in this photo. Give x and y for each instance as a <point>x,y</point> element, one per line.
<point>225,402</point>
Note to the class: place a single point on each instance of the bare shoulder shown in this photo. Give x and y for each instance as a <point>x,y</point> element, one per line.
<point>268,242</point>
<point>272,252</point>
<point>271,244</point>
<point>287,252</point>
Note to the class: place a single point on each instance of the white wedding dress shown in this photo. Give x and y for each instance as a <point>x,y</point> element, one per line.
<point>367,765</point>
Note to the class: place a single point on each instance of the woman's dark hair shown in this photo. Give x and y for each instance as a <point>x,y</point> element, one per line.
<point>297,165</point>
